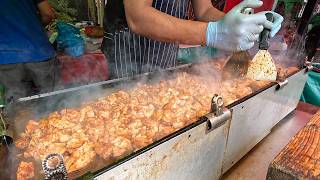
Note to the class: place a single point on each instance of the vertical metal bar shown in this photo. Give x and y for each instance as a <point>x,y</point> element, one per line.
<point>140,58</point>
<point>152,59</point>
<point>307,13</point>
<point>131,65</point>
<point>159,46</point>
<point>115,54</point>
<point>149,68</point>
<point>125,52</point>
<point>120,59</point>
<point>144,52</point>
<point>135,52</point>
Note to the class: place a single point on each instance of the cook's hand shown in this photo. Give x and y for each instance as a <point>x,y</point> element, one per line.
<point>276,25</point>
<point>238,31</point>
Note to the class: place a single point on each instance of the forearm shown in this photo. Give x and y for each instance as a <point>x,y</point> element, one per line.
<point>149,22</point>
<point>205,12</point>
<point>211,14</point>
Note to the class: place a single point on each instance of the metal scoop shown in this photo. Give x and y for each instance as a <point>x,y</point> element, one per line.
<point>262,66</point>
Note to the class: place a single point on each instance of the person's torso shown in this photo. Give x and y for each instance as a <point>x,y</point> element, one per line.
<point>22,36</point>
<point>132,54</point>
<point>115,14</point>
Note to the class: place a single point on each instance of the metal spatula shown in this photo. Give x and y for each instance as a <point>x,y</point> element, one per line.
<point>262,66</point>
<point>237,65</point>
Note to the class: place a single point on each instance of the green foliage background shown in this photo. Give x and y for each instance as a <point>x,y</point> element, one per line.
<point>63,10</point>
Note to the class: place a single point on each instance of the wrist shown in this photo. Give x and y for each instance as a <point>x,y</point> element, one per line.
<point>200,34</point>
<point>211,34</point>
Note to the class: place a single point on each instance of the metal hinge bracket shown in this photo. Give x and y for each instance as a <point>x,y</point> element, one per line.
<point>281,84</point>
<point>218,115</point>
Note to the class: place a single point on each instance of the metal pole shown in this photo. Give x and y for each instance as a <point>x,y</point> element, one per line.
<point>2,96</point>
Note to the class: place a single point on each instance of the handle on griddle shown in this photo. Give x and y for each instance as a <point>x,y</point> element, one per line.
<point>264,36</point>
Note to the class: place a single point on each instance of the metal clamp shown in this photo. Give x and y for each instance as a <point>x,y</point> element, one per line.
<point>282,84</point>
<point>217,105</point>
<point>218,116</point>
<point>308,64</point>
<point>54,168</point>
<point>309,68</point>
<point>214,122</point>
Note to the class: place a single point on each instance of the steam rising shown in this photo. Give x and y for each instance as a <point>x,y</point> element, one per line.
<point>36,108</point>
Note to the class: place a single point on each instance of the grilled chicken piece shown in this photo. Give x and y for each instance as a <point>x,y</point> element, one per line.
<point>25,171</point>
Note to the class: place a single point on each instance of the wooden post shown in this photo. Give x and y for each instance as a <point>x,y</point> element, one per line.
<point>300,159</point>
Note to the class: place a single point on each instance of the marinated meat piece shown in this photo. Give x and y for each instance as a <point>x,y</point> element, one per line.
<point>81,157</point>
<point>31,126</point>
<point>61,123</point>
<point>70,114</point>
<point>25,171</point>
<point>23,141</point>
<point>164,130</point>
<point>94,128</point>
<point>103,147</point>
<point>139,134</point>
<point>152,127</point>
<point>141,140</point>
<point>121,146</point>
<point>74,143</point>
<point>104,150</point>
<point>86,112</point>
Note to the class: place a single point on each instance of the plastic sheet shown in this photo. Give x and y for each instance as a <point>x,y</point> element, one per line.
<point>311,92</point>
<point>69,39</point>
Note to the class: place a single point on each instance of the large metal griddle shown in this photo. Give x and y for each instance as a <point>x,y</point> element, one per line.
<point>195,153</point>
<point>212,152</point>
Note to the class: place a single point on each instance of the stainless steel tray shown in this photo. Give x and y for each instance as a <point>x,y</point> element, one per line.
<point>209,147</point>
